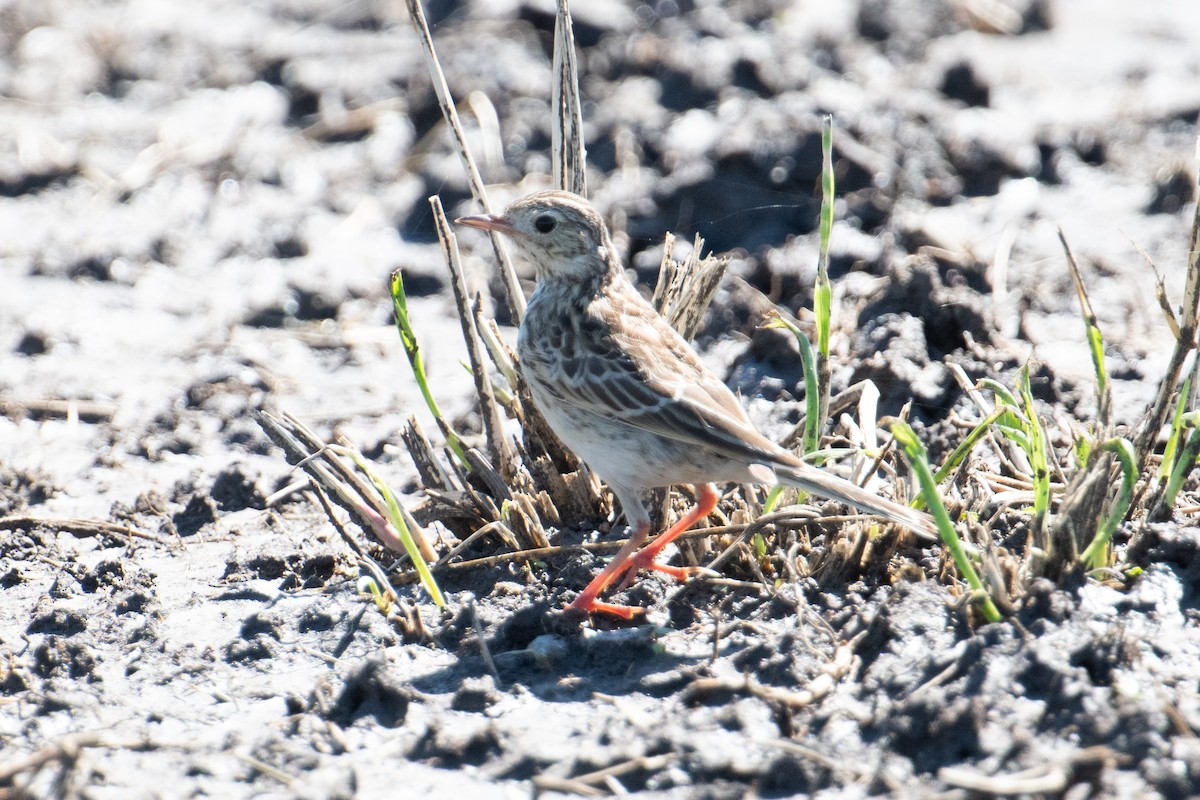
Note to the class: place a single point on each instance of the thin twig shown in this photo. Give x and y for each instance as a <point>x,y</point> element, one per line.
<point>541,553</point>
<point>581,784</point>
<point>80,528</point>
<point>85,410</point>
<point>512,286</point>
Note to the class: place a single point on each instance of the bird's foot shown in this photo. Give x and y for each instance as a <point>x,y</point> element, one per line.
<point>594,606</point>
<point>681,574</point>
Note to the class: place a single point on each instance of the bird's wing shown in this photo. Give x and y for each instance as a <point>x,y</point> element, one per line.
<point>645,375</point>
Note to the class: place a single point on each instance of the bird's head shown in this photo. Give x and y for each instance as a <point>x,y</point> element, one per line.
<point>558,233</point>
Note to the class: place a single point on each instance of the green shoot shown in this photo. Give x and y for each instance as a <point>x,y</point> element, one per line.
<point>398,519</point>
<point>1168,459</point>
<point>1006,397</point>
<point>368,585</point>
<point>978,432</point>
<point>773,495</point>
<point>1038,451</point>
<point>918,460</point>
<point>812,430</point>
<point>812,399</point>
<point>1084,445</point>
<point>816,370</point>
<point>1185,461</point>
<point>823,290</point>
<point>1097,553</point>
<point>413,351</point>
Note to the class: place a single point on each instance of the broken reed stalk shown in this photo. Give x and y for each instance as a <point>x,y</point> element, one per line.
<point>569,154</point>
<point>512,286</point>
<point>686,288</point>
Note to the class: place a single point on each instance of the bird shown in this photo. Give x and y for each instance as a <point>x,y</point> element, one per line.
<point>631,397</point>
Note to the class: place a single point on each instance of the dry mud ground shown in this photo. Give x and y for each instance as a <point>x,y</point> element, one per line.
<point>199,206</point>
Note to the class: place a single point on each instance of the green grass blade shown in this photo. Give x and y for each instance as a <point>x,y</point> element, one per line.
<point>1168,459</point>
<point>1083,450</point>
<point>918,460</point>
<point>773,495</point>
<point>1001,391</point>
<point>413,350</point>
<point>1096,346</point>
<point>955,458</point>
<point>812,399</point>
<point>1185,461</point>
<point>397,517</point>
<point>823,290</point>
<point>1038,451</point>
<point>1097,553</point>
<point>812,428</point>
<point>812,395</point>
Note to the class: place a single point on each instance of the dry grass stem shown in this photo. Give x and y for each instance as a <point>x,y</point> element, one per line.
<point>82,528</point>
<point>64,752</point>
<point>337,476</point>
<point>512,286</point>
<point>1104,401</point>
<point>785,520</point>
<point>499,448</point>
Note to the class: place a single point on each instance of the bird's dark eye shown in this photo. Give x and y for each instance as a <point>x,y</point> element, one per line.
<point>545,223</point>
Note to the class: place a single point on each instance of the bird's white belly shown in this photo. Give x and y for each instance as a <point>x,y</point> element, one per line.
<point>634,457</point>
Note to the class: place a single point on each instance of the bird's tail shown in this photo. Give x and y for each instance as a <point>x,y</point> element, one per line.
<point>810,479</point>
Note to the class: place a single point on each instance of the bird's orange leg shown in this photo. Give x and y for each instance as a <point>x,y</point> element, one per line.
<point>586,601</point>
<point>706,501</point>
<point>630,559</point>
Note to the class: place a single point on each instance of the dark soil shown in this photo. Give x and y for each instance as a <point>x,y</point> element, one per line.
<point>199,208</point>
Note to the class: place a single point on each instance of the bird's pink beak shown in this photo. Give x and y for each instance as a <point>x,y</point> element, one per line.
<point>488,222</point>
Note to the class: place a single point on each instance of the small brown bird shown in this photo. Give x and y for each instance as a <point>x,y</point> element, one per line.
<point>628,394</point>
